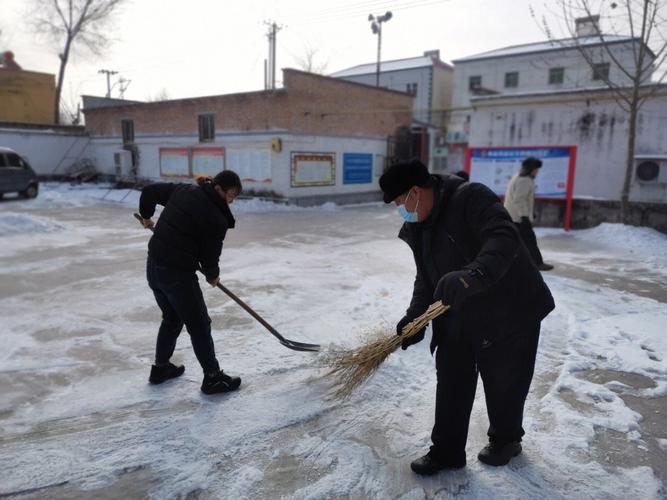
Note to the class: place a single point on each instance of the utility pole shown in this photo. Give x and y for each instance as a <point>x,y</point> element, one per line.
<point>123,84</point>
<point>270,80</point>
<point>108,73</point>
<point>376,28</point>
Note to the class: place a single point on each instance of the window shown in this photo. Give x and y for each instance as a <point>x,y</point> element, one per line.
<point>411,88</point>
<point>14,160</point>
<point>128,131</point>
<point>206,128</point>
<point>556,76</point>
<point>3,161</point>
<point>601,71</point>
<point>474,82</point>
<point>512,79</point>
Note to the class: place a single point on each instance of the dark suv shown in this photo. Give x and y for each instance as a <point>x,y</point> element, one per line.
<point>16,175</point>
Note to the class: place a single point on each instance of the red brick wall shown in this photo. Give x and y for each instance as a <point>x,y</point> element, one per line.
<point>308,103</point>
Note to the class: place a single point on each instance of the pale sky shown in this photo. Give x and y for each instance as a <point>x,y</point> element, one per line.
<point>209,47</point>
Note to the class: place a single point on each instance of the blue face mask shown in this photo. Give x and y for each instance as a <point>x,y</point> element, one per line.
<point>408,216</point>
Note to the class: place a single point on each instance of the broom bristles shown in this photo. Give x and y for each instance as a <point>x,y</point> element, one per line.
<point>350,369</point>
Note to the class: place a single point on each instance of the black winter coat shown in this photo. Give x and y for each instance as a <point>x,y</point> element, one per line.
<point>190,230</point>
<point>469,228</point>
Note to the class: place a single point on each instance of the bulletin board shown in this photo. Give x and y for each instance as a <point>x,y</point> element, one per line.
<point>174,162</point>
<point>252,165</point>
<point>208,161</point>
<point>494,167</point>
<point>313,169</point>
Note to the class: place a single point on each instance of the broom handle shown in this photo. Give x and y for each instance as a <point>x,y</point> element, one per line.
<point>433,311</point>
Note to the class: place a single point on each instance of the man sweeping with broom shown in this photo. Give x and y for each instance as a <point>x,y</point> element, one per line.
<point>469,255</point>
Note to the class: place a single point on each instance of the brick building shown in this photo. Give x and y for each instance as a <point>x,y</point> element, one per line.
<point>315,139</point>
<point>25,96</point>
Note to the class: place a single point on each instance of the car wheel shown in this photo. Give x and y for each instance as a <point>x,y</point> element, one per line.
<point>30,192</point>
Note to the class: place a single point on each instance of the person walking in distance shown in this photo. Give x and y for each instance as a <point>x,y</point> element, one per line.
<point>520,202</point>
<point>469,255</point>
<point>188,237</point>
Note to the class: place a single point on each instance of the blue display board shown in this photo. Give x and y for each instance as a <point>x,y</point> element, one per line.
<point>496,166</point>
<point>357,168</point>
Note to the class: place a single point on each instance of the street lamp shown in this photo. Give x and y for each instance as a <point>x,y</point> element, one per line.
<point>376,28</point>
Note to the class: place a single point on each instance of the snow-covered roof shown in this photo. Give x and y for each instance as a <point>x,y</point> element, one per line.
<point>395,65</point>
<point>546,46</point>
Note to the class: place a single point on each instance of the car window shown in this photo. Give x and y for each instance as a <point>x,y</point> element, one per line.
<point>14,160</point>
<point>3,161</point>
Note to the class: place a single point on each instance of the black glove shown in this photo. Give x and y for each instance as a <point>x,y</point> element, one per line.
<point>525,220</point>
<point>456,287</point>
<point>417,337</point>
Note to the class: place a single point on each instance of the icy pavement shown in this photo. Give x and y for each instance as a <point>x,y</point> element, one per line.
<point>78,419</point>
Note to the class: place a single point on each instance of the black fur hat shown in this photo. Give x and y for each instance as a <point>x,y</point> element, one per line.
<point>529,164</point>
<point>401,176</point>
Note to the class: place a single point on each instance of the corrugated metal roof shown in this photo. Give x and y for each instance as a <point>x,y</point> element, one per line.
<point>527,48</point>
<point>386,66</point>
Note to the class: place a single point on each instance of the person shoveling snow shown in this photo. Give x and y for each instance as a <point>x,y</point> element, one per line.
<point>188,237</point>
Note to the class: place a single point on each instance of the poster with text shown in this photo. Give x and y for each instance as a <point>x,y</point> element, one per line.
<point>494,167</point>
<point>357,168</point>
<point>313,169</point>
<point>252,165</point>
<point>174,162</point>
<point>208,161</point>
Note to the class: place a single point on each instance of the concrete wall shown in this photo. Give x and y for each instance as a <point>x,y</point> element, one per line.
<point>49,150</point>
<point>590,213</point>
<point>149,160</point>
<point>26,96</point>
<point>592,121</point>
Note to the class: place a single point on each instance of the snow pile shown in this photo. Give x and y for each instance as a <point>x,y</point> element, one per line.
<point>639,241</point>
<point>12,224</point>
<point>65,195</point>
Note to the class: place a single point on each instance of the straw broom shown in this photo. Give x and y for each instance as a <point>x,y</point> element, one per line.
<point>350,369</point>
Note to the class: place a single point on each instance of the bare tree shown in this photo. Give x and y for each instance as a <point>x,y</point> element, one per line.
<point>308,62</point>
<point>161,95</point>
<point>646,23</point>
<point>68,23</point>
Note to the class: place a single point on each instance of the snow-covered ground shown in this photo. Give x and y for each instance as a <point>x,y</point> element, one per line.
<point>78,323</point>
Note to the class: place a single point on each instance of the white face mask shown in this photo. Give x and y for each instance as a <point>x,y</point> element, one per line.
<point>408,216</point>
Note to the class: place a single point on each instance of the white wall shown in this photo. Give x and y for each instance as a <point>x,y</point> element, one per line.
<point>398,80</point>
<point>533,71</point>
<point>47,151</point>
<point>103,150</point>
<point>599,129</point>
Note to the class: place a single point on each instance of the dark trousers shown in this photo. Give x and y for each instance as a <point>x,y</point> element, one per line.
<point>180,299</point>
<point>528,236</point>
<point>506,369</point>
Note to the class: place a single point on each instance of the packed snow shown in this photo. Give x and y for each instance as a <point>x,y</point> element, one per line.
<point>77,416</point>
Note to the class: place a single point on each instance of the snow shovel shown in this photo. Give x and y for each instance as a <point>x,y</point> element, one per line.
<point>290,344</point>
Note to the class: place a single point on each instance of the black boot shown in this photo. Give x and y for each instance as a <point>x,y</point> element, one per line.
<point>163,373</point>
<point>499,454</point>
<point>429,464</point>
<point>220,382</point>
